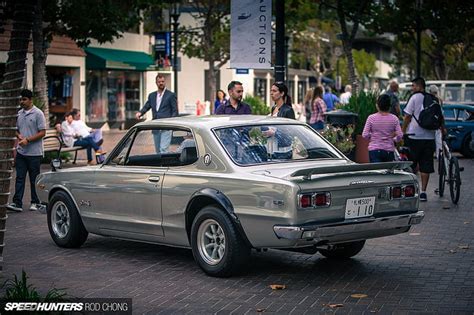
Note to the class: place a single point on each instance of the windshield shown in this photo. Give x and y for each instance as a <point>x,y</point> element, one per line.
<point>249,145</point>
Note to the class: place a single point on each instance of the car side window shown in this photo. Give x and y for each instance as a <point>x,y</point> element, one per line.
<point>120,156</point>
<point>449,114</point>
<point>158,148</point>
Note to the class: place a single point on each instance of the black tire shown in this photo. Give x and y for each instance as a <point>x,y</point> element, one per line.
<point>230,251</point>
<point>343,250</point>
<point>454,180</point>
<point>467,150</point>
<point>442,174</point>
<point>64,222</point>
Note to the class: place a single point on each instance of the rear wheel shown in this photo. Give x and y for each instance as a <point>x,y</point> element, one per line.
<point>454,180</point>
<point>343,250</point>
<point>217,246</point>
<point>64,222</point>
<point>467,148</point>
<point>442,174</point>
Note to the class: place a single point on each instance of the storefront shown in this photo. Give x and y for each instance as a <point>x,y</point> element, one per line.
<point>114,86</point>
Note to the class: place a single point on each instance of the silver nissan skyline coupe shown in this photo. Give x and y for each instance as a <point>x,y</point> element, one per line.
<point>222,185</point>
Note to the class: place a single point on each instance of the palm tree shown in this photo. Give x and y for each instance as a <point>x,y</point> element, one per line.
<point>13,82</point>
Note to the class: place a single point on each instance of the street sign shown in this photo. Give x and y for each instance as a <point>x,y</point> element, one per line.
<point>242,71</point>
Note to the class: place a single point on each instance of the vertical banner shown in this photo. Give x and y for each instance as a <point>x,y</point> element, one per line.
<point>162,49</point>
<point>251,34</point>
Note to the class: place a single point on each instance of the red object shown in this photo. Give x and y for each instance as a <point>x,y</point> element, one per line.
<point>321,199</point>
<point>306,201</point>
<point>409,191</point>
<point>396,192</point>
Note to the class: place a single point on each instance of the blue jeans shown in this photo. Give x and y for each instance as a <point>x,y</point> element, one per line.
<point>162,140</point>
<point>26,164</point>
<point>318,125</point>
<point>89,144</point>
<point>381,156</point>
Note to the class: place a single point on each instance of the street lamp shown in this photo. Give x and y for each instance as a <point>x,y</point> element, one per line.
<point>175,16</point>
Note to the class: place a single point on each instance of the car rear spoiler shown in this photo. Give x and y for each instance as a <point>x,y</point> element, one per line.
<point>389,166</point>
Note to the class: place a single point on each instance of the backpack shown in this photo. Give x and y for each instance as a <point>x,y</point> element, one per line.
<point>431,116</point>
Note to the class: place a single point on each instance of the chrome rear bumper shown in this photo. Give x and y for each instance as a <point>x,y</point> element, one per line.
<point>356,228</point>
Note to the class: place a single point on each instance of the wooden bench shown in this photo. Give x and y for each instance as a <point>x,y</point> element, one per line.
<point>53,142</point>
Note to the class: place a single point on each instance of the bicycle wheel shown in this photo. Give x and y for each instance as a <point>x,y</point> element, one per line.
<point>454,180</point>
<point>442,174</point>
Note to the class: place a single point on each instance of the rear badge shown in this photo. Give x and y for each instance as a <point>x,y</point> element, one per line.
<point>207,159</point>
<point>361,182</point>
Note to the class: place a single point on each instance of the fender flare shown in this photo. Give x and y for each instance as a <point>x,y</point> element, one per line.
<point>223,201</point>
<point>56,188</point>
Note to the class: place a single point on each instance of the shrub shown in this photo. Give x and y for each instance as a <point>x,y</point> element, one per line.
<point>257,105</point>
<point>20,290</point>
<point>362,104</point>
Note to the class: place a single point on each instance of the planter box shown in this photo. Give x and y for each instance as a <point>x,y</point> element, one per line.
<point>362,150</point>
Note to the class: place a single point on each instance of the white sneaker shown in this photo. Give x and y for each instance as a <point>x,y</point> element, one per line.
<point>14,207</point>
<point>33,207</point>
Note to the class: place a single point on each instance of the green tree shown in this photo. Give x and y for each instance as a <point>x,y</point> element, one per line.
<point>210,39</point>
<point>446,47</point>
<point>364,64</point>
<point>351,14</point>
<point>82,21</point>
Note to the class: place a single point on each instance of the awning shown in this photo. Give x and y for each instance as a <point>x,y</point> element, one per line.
<point>103,58</point>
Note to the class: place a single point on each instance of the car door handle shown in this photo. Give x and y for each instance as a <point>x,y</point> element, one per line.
<point>154,179</point>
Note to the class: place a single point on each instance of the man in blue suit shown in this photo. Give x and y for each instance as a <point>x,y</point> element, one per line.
<point>163,104</point>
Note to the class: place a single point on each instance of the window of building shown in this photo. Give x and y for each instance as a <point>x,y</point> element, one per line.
<point>260,88</point>
<point>113,97</point>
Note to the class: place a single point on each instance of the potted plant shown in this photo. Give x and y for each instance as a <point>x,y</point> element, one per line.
<point>362,104</point>
<point>341,138</point>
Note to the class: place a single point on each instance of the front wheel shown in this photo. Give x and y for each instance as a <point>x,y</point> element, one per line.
<point>343,250</point>
<point>442,174</point>
<point>217,246</point>
<point>64,222</point>
<point>454,180</point>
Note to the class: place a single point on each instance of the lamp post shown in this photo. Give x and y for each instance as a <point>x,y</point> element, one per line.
<point>175,16</point>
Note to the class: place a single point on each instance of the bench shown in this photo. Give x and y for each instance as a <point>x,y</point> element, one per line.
<point>53,142</point>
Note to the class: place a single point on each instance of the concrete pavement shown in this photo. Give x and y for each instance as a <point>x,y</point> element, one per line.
<point>428,270</point>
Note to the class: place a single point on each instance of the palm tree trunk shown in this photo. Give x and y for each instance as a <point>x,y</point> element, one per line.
<point>40,53</point>
<point>13,81</point>
<point>211,76</point>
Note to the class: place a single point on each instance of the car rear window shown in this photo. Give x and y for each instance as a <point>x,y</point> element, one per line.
<point>250,145</point>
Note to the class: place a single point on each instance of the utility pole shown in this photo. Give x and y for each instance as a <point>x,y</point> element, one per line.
<point>418,37</point>
<point>280,41</point>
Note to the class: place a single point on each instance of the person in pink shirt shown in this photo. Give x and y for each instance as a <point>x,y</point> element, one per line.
<point>383,130</point>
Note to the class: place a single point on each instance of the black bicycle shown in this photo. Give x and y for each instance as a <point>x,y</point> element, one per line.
<point>449,171</point>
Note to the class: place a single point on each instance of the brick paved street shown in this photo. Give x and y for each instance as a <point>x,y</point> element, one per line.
<point>430,269</point>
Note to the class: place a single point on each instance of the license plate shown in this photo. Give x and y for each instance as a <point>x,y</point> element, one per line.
<point>360,207</point>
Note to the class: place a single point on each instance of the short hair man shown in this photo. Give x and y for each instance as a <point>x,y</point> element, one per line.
<point>393,93</point>
<point>420,141</point>
<point>330,99</point>
<point>163,104</point>
<point>346,95</point>
<point>31,128</point>
<point>234,105</point>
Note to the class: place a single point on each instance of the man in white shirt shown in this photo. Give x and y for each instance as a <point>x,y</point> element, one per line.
<point>72,137</point>
<point>344,99</point>
<point>420,141</point>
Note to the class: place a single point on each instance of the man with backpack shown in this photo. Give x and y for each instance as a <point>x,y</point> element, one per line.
<point>423,116</point>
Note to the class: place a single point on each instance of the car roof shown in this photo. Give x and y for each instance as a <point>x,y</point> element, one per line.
<point>216,121</point>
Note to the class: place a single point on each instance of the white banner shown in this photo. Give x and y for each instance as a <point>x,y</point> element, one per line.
<point>251,34</point>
